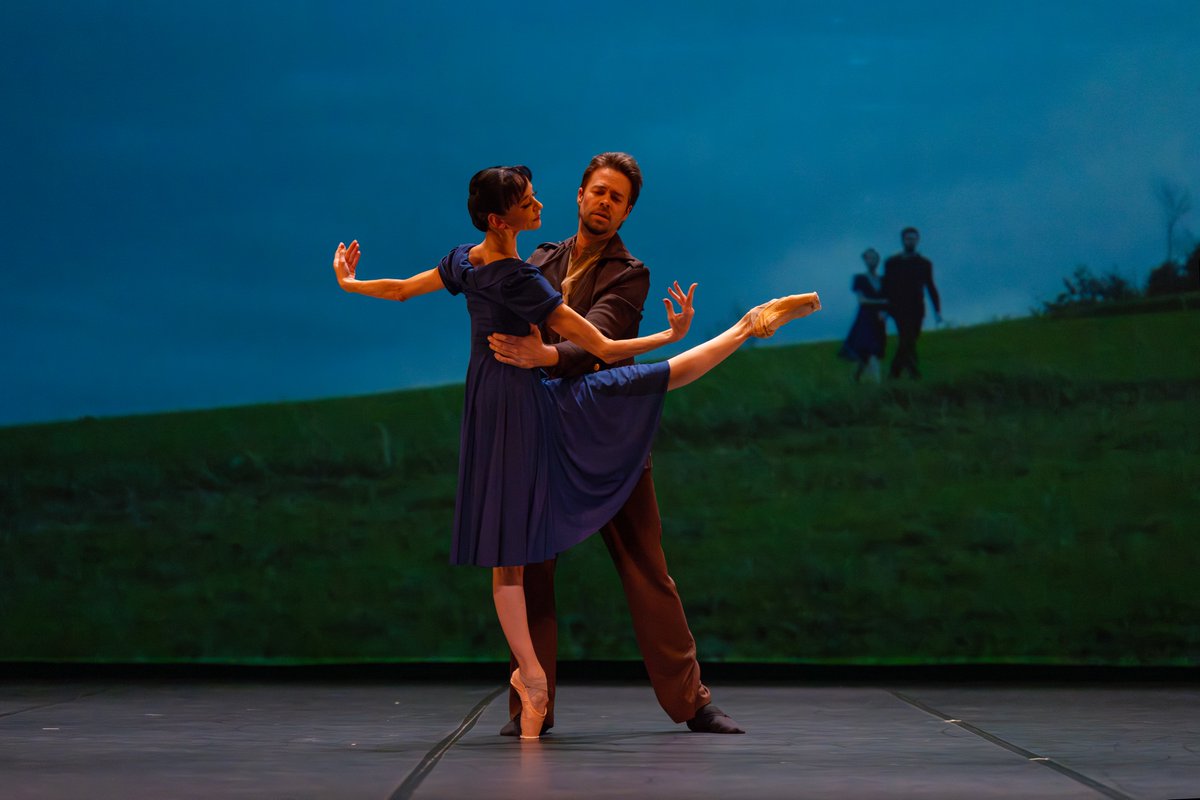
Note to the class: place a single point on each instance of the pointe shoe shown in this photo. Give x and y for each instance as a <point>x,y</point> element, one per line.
<point>531,718</point>
<point>774,314</point>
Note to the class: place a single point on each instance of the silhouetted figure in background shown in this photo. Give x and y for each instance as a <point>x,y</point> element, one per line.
<point>906,278</point>
<point>867,340</point>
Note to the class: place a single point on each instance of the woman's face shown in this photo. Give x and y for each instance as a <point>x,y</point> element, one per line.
<point>526,213</point>
<point>871,259</point>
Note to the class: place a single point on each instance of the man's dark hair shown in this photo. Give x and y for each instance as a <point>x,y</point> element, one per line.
<point>908,230</point>
<point>622,163</point>
<point>494,191</point>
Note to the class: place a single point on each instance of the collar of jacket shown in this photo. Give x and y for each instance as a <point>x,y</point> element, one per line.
<point>615,250</point>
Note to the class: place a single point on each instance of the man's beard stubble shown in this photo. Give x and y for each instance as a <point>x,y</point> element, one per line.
<point>593,230</point>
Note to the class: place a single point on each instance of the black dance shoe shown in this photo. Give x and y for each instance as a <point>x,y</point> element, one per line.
<point>711,719</point>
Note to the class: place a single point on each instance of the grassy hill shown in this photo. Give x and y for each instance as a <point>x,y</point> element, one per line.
<point>1033,500</point>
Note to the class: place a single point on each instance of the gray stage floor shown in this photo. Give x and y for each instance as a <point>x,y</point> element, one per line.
<point>426,740</point>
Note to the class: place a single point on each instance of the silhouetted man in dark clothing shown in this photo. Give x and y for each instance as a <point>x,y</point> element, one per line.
<point>906,278</point>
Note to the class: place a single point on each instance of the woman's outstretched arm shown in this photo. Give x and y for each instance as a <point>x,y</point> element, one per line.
<point>568,324</point>
<point>345,262</point>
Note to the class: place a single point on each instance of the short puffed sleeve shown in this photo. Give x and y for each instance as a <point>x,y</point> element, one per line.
<point>451,268</point>
<point>529,295</point>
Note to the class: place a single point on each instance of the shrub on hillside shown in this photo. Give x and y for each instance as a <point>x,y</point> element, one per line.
<point>1085,289</point>
<point>1174,278</point>
<point>1167,278</point>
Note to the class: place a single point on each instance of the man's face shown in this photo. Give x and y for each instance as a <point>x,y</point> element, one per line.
<point>910,240</point>
<point>604,202</point>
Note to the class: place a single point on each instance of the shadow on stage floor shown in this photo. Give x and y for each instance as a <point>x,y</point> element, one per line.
<point>430,731</point>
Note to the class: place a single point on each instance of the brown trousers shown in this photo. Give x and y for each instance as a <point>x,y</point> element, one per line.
<point>634,540</point>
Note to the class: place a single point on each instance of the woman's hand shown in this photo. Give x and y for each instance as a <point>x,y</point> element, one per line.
<point>345,262</point>
<point>682,321</point>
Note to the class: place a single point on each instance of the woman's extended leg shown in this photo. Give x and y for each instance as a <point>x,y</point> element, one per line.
<point>691,364</point>
<point>760,321</point>
<point>508,592</point>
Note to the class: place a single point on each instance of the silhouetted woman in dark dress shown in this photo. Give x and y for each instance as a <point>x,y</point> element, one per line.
<point>867,340</point>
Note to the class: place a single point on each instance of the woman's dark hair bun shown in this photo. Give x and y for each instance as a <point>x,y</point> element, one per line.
<point>494,191</point>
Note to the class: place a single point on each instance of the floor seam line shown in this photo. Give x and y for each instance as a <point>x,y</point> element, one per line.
<point>75,699</point>
<point>431,759</point>
<point>1044,761</point>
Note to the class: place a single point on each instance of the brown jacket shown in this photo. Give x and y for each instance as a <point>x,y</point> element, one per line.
<point>611,296</point>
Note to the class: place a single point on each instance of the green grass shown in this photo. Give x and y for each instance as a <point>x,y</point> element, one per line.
<point>1033,500</point>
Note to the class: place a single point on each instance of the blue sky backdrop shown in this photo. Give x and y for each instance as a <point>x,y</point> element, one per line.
<point>178,174</point>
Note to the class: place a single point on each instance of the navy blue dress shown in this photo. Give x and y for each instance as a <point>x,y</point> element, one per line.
<point>543,463</point>
<point>868,334</point>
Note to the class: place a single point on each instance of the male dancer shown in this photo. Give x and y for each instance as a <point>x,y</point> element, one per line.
<point>603,282</point>
<point>906,278</point>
